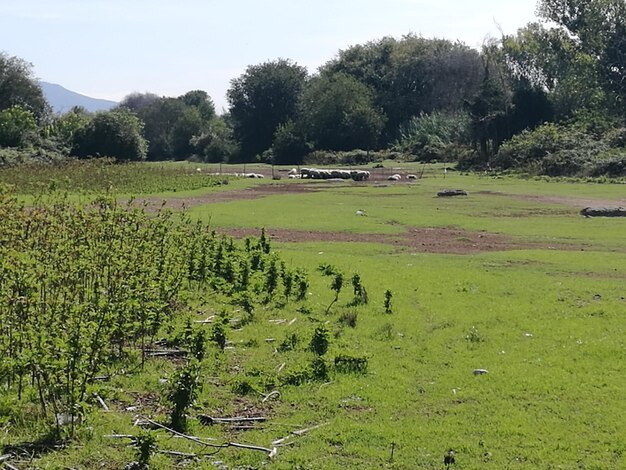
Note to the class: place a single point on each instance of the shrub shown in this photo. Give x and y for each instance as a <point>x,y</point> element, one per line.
<point>320,341</point>
<point>183,393</point>
<point>348,319</point>
<point>319,369</point>
<point>16,125</point>
<point>433,136</point>
<point>575,149</point>
<point>351,364</point>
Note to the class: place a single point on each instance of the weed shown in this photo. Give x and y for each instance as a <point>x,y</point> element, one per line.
<point>348,319</point>
<point>387,303</point>
<point>351,364</point>
<point>183,393</point>
<point>320,341</point>
<point>289,343</point>
<point>319,369</point>
<point>218,335</point>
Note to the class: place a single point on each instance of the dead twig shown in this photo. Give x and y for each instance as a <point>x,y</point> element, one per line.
<point>101,402</point>
<point>207,420</point>
<point>299,432</point>
<point>272,394</point>
<point>198,440</point>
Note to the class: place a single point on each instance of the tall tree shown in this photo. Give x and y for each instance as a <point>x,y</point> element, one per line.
<point>338,113</point>
<point>413,75</point>
<point>597,33</point>
<point>18,87</point>
<point>261,99</point>
<point>200,100</point>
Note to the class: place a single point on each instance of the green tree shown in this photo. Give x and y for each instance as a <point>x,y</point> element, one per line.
<point>64,127</point>
<point>16,124</point>
<point>339,114</point>
<point>138,101</point>
<point>117,134</point>
<point>18,87</point>
<point>200,100</point>
<point>216,142</point>
<point>261,99</point>
<point>412,75</point>
<point>289,145</point>
<point>551,60</point>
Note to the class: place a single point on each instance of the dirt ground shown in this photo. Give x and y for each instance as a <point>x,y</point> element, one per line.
<point>423,240</point>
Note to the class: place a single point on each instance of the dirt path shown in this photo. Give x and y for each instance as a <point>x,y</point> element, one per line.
<point>421,240</point>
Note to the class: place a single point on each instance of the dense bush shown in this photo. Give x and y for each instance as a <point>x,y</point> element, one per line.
<point>117,134</point>
<point>565,150</point>
<point>435,136</point>
<point>352,157</point>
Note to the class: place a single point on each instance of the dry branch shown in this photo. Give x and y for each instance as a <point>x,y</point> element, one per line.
<point>274,393</point>
<point>205,419</point>
<point>101,402</point>
<point>299,432</point>
<point>198,440</point>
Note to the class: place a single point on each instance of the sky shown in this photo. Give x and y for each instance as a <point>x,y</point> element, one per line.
<point>110,48</point>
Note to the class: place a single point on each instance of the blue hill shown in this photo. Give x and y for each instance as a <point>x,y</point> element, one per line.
<point>62,100</point>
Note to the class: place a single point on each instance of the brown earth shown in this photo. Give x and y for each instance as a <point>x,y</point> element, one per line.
<point>422,240</point>
<point>572,201</point>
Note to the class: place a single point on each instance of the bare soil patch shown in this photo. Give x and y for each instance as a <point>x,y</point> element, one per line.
<point>421,240</point>
<point>571,201</point>
<point>254,192</point>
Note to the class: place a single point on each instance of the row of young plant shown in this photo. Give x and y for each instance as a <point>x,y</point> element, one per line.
<point>86,289</point>
<point>100,175</point>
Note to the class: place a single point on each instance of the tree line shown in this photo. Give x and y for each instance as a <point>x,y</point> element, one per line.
<point>431,99</point>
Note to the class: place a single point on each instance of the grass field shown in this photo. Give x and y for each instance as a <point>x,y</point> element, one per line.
<point>522,286</point>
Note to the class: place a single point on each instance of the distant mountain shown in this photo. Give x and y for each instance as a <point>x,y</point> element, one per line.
<point>62,99</point>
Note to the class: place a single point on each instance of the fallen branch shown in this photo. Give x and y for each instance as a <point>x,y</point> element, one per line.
<point>205,419</point>
<point>178,454</point>
<point>274,393</point>
<point>101,402</point>
<point>197,440</point>
<point>165,352</point>
<point>299,432</point>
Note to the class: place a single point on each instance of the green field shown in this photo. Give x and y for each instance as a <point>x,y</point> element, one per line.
<point>542,310</point>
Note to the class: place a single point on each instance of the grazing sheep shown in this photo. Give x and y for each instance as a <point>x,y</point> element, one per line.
<point>293,171</point>
<point>360,175</point>
<point>322,174</point>
<point>395,177</point>
<point>411,177</point>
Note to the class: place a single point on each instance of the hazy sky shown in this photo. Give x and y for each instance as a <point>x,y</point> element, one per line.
<point>109,48</point>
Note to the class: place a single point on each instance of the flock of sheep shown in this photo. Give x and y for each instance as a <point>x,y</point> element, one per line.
<point>318,174</point>
<point>323,174</point>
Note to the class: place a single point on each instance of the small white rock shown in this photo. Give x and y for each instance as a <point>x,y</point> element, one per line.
<point>480,371</point>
